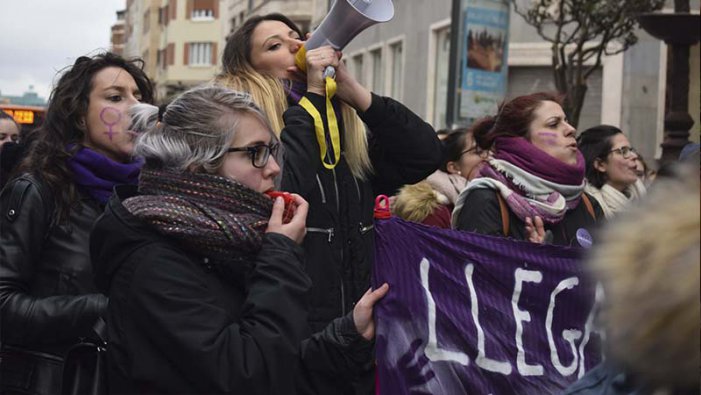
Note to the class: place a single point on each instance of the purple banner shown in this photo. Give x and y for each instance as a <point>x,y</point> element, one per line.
<point>474,314</point>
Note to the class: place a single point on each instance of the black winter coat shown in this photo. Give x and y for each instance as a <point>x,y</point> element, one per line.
<point>481,213</point>
<point>339,244</point>
<point>47,295</point>
<point>175,326</point>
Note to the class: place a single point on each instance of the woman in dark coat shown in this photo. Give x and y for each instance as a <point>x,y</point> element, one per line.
<point>206,282</point>
<point>47,296</point>
<point>339,179</point>
<point>532,188</point>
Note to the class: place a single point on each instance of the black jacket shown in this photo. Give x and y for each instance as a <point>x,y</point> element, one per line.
<point>481,213</point>
<point>175,326</point>
<point>340,239</point>
<point>47,296</point>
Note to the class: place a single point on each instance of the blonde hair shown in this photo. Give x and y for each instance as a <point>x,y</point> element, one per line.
<point>195,130</point>
<point>269,94</point>
<point>649,263</point>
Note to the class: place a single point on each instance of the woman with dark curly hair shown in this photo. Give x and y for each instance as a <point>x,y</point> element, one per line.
<point>83,149</point>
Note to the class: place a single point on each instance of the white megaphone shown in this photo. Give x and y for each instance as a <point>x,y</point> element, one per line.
<point>346,20</point>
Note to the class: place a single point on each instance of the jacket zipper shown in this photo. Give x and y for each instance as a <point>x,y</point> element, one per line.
<point>357,188</point>
<point>329,232</point>
<point>321,188</point>
<point>335,185</point>
<point>365,228</point>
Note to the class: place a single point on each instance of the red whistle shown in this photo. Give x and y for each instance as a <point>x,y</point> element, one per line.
<point>289,204</point>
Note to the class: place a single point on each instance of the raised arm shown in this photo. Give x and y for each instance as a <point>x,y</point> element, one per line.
<point>403,148</point>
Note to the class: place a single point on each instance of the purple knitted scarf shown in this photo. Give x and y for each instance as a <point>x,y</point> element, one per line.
<point>210,215</point>
<point>97,175</point>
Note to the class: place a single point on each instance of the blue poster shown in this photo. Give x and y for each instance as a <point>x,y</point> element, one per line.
<point>484,57</point>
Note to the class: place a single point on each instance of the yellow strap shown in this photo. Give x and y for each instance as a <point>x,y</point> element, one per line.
<point>300,60</point>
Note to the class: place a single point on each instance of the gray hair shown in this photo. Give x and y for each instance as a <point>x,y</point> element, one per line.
<point>195,130</point>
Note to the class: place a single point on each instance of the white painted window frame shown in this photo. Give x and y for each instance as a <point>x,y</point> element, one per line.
<point>370,68</point>
<point>362,54</point>
<point>431,67</point>
<point>389,70</point>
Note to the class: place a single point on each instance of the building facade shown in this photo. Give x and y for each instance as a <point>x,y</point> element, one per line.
<point>179,41</point>
<point>117,38</point>
<point>408,59</point>
<point>237,11</point>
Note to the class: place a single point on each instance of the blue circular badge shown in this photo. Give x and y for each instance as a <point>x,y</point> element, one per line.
<point>584,238</point>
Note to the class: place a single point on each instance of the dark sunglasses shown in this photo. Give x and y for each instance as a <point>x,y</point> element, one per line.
<point>259,154</point>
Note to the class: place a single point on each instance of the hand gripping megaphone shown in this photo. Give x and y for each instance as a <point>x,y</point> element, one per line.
<point>346,20</point>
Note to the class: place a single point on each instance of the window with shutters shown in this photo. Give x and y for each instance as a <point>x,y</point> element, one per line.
<point>202,15</point>
<point>200,54</point>
<point>202,10</point>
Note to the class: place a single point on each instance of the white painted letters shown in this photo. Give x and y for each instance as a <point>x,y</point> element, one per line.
<point>590,327</point>
<point>432,351</point>
<point>520,316</point>
<point>482,361</point>
<point>570,335</point>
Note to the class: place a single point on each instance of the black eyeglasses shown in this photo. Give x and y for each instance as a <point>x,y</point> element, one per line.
<point>477,150</point>
<point>259,154</point>
<point>625,151</point>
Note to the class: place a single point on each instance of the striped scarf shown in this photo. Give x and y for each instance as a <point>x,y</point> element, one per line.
<point>210,215</point>
<point>530,181</point>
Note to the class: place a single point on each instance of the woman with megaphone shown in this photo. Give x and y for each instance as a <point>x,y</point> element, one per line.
<point>338,173</point>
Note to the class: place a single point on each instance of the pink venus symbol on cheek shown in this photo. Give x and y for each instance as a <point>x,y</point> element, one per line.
<point>110,116</point>
<point>550,138</point>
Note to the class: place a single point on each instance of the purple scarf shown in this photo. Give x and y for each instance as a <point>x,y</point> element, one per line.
<point>520,153</point>
<point>96,174</point>
<point>530,181</point>
<point>295,90</point>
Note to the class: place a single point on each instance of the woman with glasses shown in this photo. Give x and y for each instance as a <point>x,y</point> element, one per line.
<point>532,187</point>
<point>431,201</point>
<point>207,288</point>
<point>612,174</point>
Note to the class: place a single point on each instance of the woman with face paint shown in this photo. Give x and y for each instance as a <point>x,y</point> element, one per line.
<point>82,150</point>
<point>533,186</point>
<point>612,168</point>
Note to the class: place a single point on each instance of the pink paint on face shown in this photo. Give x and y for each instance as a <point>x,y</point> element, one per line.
<point>110,116</point>
<point>549,138</point>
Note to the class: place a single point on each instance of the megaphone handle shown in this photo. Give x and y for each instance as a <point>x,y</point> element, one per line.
<point>329,71</point>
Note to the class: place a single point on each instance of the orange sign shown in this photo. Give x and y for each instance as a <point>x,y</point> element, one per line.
<point>21,116</point>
